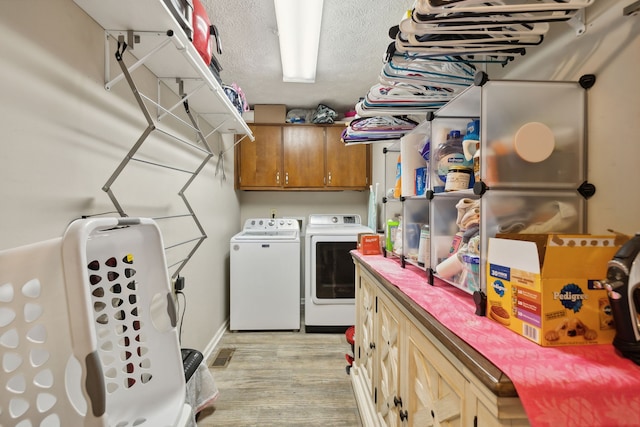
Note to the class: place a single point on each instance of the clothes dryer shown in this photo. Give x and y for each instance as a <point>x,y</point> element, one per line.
<point>329,302</point>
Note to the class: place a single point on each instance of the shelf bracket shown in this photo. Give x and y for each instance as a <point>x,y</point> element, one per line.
<point>132,39</point>
<point>235,143</point>
<point>119,36</point>
<point>577,22</point>
<point>180,83</point>
<point>217,128</point>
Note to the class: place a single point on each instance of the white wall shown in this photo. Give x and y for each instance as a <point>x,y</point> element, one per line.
<point>610,49</point>
<point>63,135</point>
<point>301,204</point>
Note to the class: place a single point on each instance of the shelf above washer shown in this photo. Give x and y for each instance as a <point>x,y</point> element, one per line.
<point>174,62</point>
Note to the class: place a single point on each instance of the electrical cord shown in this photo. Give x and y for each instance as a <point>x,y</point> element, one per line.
<point>184,309</point>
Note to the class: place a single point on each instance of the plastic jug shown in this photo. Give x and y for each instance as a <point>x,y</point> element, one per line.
<point>449,153</point>
<point>471,150</point>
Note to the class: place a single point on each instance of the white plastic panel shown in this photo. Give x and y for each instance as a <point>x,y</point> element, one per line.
<point>416,214</point>
<point>530,212</point>
<point>441,126</point>
<point>514,153</point>
<point>411,144</point>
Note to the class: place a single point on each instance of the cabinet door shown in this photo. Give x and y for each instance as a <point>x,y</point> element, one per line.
<point>433,389</point>
<point>388,344</point>
<point>348,166</point>
<point>303,156</point>
<point>365,332</point>
<point>259,161</point>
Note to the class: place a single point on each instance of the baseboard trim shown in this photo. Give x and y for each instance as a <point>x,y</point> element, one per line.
<point>208,351</point>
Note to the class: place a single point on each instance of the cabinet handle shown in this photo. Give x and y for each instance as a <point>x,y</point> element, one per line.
<point>397,401</point>
<point>278,177</point>
<point>286,178</point>
<point>372,345</point>
<point>329,178</point>
<point>404,415</point>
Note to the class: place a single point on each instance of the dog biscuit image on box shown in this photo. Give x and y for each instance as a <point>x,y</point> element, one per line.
<point>500,315</point>
<point>571,327</point>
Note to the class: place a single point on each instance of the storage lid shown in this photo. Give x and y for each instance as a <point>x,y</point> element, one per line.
<point>534,142</point>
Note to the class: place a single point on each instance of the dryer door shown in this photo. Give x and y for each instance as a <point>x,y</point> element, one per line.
<point>332,275</point>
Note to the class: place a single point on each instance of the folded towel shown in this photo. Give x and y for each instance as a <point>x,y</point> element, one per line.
<point>563,215</point>
<point>463,206</point>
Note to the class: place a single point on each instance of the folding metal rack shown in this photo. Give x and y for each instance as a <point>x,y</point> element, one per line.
<point>169,54</point>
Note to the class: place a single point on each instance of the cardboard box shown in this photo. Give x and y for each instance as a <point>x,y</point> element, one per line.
<point>269,113</point>
<point>369,244</point>
<point>543,287</point>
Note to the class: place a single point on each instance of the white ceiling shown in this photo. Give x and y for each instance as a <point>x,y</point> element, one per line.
<point>353,41</point>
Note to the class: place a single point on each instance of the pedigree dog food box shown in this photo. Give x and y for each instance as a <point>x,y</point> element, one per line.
<point>543,287</point>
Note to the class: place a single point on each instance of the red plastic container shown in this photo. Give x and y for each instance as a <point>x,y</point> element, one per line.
<point>202,32</point>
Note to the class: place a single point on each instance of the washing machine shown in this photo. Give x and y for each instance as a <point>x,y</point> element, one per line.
<point>329,303</point>
<point>265,275</point>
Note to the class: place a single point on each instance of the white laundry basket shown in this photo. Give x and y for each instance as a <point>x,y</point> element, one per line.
<point>118,290</point>
<point>88,330</point>
<point>41,379</point>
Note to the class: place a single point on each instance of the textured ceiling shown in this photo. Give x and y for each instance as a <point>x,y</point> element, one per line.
<point>353,41</point>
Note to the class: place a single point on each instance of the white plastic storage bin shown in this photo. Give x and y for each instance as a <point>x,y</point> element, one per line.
<point>532,170</point>
<point>532,134</point>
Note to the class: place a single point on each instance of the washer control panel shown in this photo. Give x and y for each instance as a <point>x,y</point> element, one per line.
<point>271,224</point>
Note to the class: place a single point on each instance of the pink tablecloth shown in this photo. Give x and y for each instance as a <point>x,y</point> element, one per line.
<point>559,386</point>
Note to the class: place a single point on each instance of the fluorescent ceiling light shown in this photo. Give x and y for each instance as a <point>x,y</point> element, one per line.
<point>299,33</point>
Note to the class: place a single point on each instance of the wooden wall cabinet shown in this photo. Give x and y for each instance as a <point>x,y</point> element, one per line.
<point>348,166</point>
<point>300,157</point>
<point>259,162</point>
<point>303,156</point>
<point>403,375</point>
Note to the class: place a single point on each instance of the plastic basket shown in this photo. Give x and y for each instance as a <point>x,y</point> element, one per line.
<point>118,286</point>
<point>88,330</point>
<point>41,378</point>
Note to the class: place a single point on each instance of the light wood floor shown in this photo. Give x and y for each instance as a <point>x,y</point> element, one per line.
<point>282,378</point>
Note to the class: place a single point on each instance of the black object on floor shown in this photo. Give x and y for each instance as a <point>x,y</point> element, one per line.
<point>191,359</point>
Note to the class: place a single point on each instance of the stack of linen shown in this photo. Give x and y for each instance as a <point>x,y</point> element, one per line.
<point>378,128</point>
<point>438,44</point>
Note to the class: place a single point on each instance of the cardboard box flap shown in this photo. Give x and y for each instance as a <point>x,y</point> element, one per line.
<point>539,239</point>
<point>583,256</point>
<point>501,252</point>
<point>557,255</point>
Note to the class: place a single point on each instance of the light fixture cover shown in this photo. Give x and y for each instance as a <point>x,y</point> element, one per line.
<point>299,23</point>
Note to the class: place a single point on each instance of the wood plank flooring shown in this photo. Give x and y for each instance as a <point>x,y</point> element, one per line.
<point>282,379</point>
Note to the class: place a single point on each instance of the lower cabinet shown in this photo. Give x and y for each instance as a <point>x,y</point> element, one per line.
<point>391,326</point>
<point>434,388</point>
<point>404,376</point>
